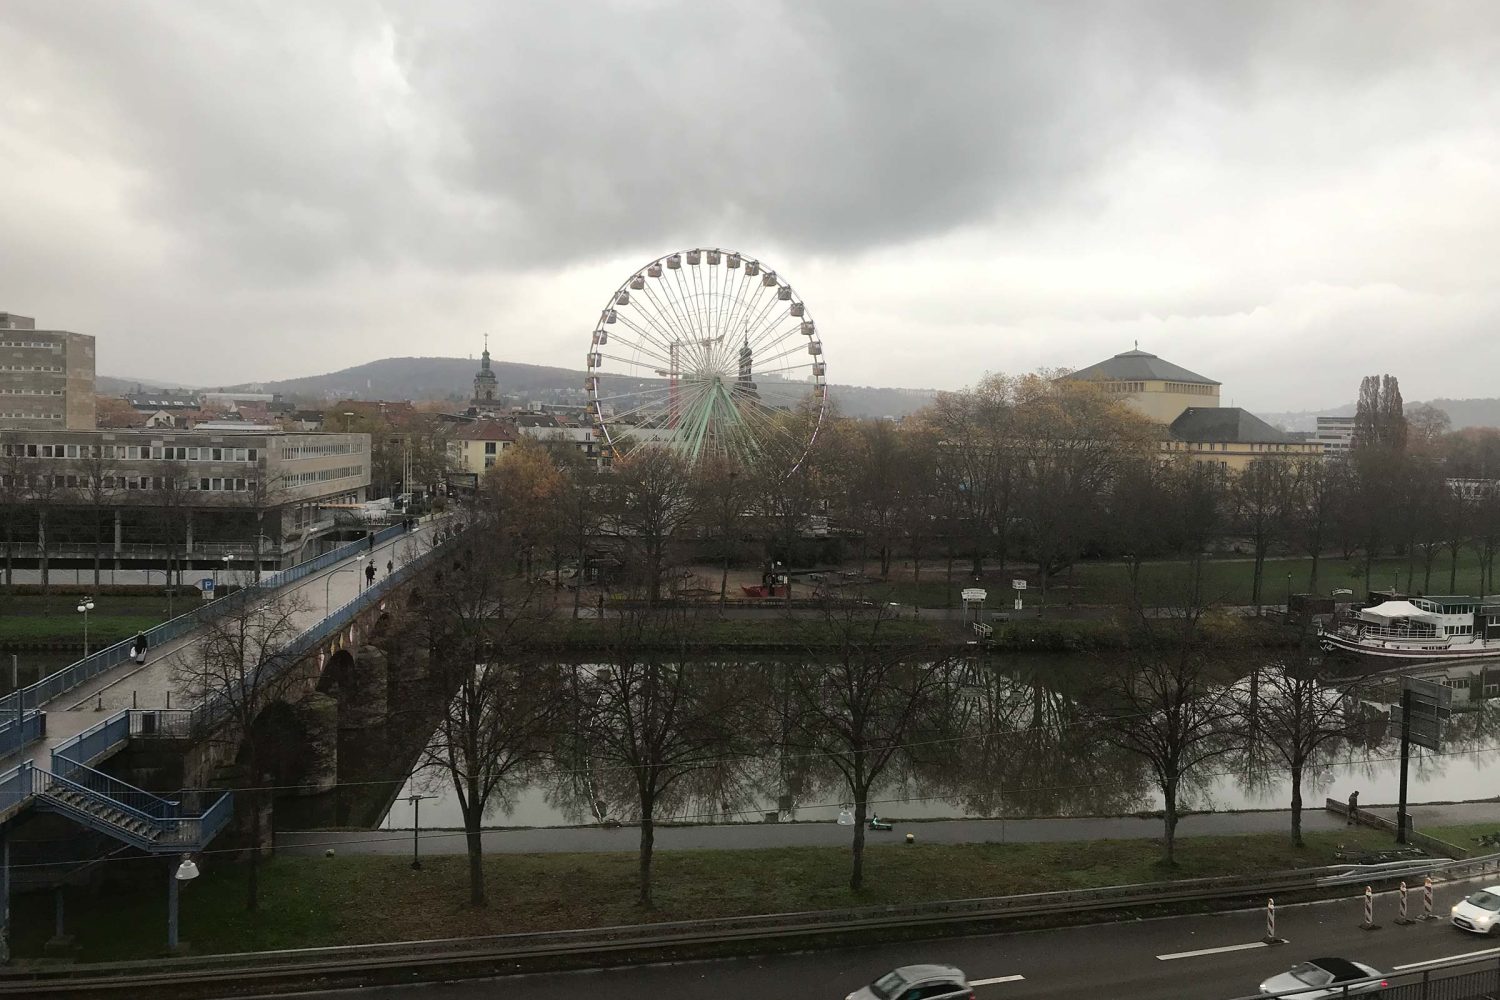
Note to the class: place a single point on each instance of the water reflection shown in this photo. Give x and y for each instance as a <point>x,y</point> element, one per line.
<point>1018,743</point>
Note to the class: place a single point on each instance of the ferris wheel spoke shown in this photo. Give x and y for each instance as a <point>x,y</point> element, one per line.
<point>770,327</point>
<point>669,319</point>
<point>698,349</point>
<point>659,358</point>
<point>632,394</point>
<point>652,326</point>
<point>790,350</point>
<point>688,350</point>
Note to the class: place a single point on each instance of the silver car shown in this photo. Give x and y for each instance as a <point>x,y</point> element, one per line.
<point>1479,913</point>
<point>917,982</point>
<point>1325,977</point>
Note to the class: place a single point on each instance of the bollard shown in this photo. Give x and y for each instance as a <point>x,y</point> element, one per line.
<point>1271,937</point>
<point>1369,923</point>
<point>1427,913</point>
<point>1402,919</point>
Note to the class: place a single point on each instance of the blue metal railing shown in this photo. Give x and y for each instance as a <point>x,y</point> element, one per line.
<point>15,787</point>
<point>33,696</point>
<point>17,733</point>
<point>118,794</point>
<point>218,707</point>
<point>92,744</point>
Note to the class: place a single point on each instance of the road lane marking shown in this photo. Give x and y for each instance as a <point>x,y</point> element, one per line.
<point>1451,958</point>
<point>1211,951</point>
<point>997,979</point>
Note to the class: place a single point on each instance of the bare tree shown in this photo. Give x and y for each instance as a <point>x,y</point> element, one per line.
<point>237,669</point>
<point>99,491</point>
<point>1296,714</point>
<point>505,702</point>
<point>723,497</point>
<point>1164,702</point>
<point>651,716</point>
<point>649,500</point>
<point>1264,496</point>
<point>860,705</point>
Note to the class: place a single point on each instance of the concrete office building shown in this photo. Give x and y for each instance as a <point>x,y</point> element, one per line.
<point>1335,435</point>
<point>46,376</point>
<point>140,497</point>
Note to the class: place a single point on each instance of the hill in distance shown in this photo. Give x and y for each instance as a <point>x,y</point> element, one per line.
<point>453,378</point>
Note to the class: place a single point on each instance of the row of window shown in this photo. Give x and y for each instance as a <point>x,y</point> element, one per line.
<point>30,368</point>
<point>32,416</point>
<point>319,450</point>
<point>324,475</point>
<point>131,452</point>
<point>55,345</point>
<point>22,391</point>
<point>1125,387</point>
<point>207,484</point>
<point>1190,388</point>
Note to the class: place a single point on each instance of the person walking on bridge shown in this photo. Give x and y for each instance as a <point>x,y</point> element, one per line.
<point>370,575</point>
<point>138,648</point>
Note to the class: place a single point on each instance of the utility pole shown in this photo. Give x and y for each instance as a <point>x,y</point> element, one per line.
<point>416,826</point>
<point>1401,818</point>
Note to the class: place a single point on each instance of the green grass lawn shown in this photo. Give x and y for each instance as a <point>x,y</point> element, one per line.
<point>1463,835</point>
<point>1226,580</point>
<point>309,902</point>
<point>34,618</point>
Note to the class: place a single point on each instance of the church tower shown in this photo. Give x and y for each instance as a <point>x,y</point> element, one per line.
<point>486,386</point>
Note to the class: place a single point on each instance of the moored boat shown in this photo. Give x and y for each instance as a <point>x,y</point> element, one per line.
<point>1439,627</point>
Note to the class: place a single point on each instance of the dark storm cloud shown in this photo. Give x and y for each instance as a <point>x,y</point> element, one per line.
<point>525,134</point>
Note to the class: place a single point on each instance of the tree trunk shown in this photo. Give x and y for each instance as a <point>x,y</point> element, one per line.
<point>475,844</point>
<point>1297,805</point>
<point>724,579</point>
<point>857,876</point>
<point>1259,571</point>
<point>1453,570</point>
<point>1169,822</point>
<point>41,539</point>
<point>98,546</point>
<point>648,844</point>
<point>1312,579</point>
<point>252,878</point>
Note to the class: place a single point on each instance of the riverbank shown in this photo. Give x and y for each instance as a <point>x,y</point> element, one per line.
<point>771,630</point>
<point>314,902</point>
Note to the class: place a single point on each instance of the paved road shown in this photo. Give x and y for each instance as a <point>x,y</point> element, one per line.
<point>759,835</point>
<point>154,685</point>
<point>1117,961</point>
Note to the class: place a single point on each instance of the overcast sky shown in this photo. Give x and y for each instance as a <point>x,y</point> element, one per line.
<point>1282,196</point>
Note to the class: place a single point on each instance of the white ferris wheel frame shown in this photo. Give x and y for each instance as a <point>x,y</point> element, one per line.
<point>690,327</point>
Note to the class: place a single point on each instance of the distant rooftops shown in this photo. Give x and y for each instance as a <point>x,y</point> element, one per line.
<point>1139,366</point>
<point>1223,424</point>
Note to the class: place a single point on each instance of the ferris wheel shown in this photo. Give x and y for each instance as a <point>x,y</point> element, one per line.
<point>712,354</point>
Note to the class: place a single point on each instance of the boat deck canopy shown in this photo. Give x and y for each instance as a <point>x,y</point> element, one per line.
<point>1391,610</point>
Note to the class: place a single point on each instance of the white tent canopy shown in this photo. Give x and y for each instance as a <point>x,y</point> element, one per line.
<point>1391,610</point>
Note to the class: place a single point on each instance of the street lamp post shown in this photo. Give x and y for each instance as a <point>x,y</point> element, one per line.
<point>227,560</point>
<point>84,607</point>
<point>416,825</point>
<point>186,871</point>
<point>356,569</point>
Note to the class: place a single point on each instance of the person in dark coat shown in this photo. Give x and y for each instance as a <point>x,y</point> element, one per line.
<point>138,648</point>
<point>370,575</point>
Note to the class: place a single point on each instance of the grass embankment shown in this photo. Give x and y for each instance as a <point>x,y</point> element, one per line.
<point>1227,580</point>
<point>310,902</point>
<point>31,621</point>
<point>1464,835</point>
<point>1050,635</point>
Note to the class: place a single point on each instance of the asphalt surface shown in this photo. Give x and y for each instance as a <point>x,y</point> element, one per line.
<point>1121,961</point>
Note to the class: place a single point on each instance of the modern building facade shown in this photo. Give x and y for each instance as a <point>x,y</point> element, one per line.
<point>46,376</point>
<point>1158,389</point>
<point>1336,435</point>
<point>195,496</point>
<point>475,447</point>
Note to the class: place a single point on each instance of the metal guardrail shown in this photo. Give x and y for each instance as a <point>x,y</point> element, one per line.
<point>92,744</point>
<point>35,695</point>
<point>16,733</point>
<point>1457,979</point>
<point>481,955</point>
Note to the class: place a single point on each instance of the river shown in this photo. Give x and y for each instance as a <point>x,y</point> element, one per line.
<point>1049,767</point>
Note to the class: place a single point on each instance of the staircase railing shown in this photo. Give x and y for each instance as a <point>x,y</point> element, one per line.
<point>93,743</point>
<point>116,793</point>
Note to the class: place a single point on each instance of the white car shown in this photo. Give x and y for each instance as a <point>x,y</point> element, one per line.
<point>1479,913</point>
<point>917,982</point>
<point>1325,977</point>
